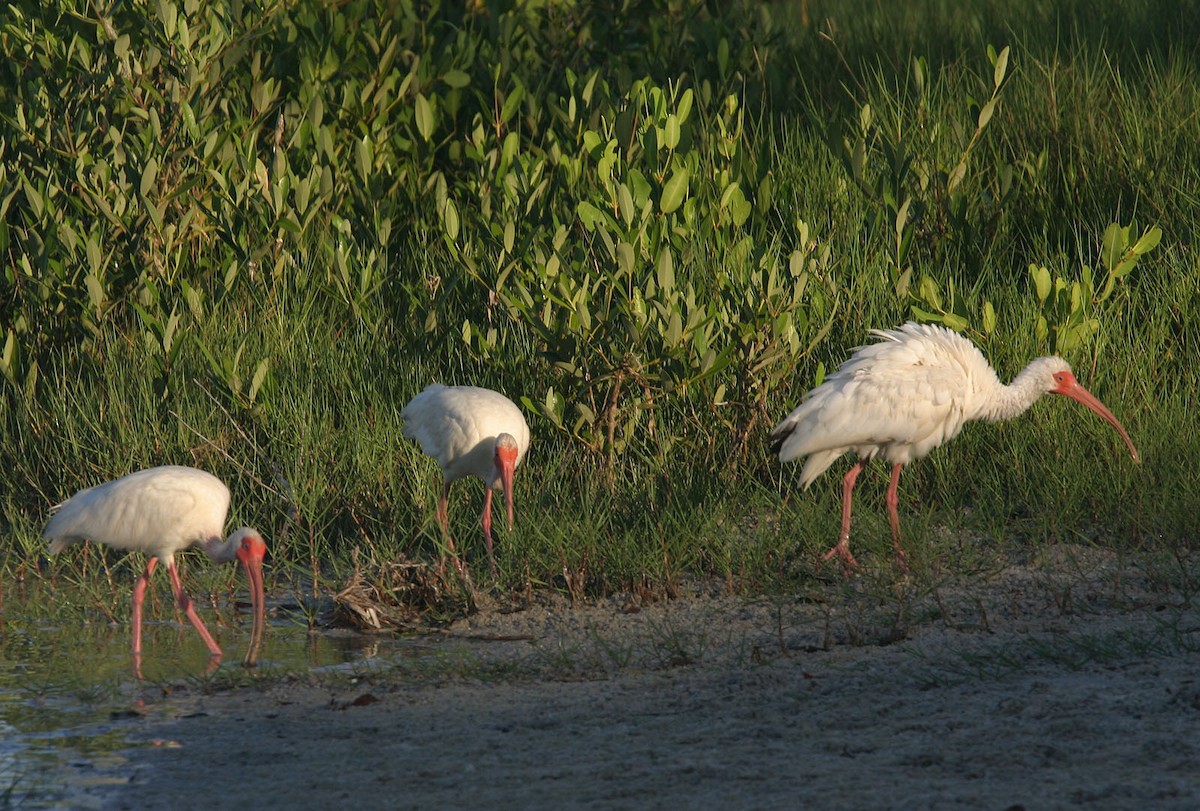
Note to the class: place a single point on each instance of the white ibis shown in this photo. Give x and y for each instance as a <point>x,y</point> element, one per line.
<point>904,396</point>
<point>161,511</point>
<point>470,432</point>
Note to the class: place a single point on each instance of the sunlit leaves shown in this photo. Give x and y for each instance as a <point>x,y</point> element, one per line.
<point>674,191</point>
<point>424,117</point>
<point>1068,307</point>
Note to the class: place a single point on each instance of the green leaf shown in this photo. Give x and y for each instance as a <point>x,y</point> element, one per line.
<point>858,159</point>
<point>512,102</point>
<point>625,204</point>
<point>674,328</point>
<point>1042,329</point>
<point>1123,268</point>
<point>955,322</point>
<point>456,79</point>
<point>156,214</point>
<point>168,14</point>
<point>8,356</point>
<point>149,175</point>
<point>450,218</point>
<point>1041,281</point>
<point>684,108</point>
<point>590,216</point>
<point>194,302</point>
<point>95,257</point>
<point>665,270</point>
<point>1113,244</point>
<point>929,292</point>
<point>1148,240</point>
<point>586,415</point>
<point>674,191</point>
<point>671,132</point>
<point>764,198</point>
<point>985,113</point>
<point>260,374</point>
<point>957,175</point>
<point>1001,68</point>
<point>902,216</point>
<point>95,290</point>
<point>625,257</point>
<point>989,317</point>
<point>424,117</point>
<point>364,157</point>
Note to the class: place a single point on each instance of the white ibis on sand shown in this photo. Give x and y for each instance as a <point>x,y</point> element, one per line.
<point>161,511</point>
<point>904,396</point>
<point>470,432</point>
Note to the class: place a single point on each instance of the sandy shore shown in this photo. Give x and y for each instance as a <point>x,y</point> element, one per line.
<point>1071,681</point>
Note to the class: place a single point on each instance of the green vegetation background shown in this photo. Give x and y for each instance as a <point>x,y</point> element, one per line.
<point>240,235</point>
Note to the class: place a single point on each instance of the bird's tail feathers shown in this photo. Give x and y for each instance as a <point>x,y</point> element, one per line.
<point>59,544</point>
<point>816,464</point>
<point>780,436</point>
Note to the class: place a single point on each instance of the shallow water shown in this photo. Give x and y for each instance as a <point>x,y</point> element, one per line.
<point>68,693</point>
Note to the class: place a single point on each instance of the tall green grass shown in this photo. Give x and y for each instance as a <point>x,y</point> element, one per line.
<point>264,300</point>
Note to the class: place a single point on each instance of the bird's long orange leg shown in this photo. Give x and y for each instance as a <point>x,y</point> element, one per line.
<point>893,501</point>
<point>487,528</point>
<point>443,517</point>
<point>842,549</point>
<point>139,596</point>
<point>185,605</point>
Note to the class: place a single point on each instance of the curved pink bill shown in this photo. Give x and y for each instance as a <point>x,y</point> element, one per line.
<point>507,472</point>
<point>506,463</point>
<point>1070,387</point>
<point>253,566</point>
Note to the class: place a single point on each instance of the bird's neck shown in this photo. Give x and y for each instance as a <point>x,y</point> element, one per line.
<point>220,551</point>
<point>1006,402</point>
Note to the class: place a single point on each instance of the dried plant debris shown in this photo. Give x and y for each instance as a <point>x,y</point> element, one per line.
<point>403,595</point>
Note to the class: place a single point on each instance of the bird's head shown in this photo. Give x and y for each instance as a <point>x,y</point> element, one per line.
<point>506,457</point>
<point>1048,374</point>
<point>1056,376</point>
<point>250,549</point>
<point>248,545</point>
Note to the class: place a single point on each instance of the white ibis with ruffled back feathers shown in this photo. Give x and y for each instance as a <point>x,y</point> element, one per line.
<point>903,396</point>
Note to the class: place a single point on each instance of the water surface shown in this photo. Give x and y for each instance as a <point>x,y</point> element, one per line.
<point>68,695</point>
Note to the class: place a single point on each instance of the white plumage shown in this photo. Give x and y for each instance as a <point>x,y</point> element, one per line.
<point>161,511</point>
<point>470,431</point>
<point>902,397</point>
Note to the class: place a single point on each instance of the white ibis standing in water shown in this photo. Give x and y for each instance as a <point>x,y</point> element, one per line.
<point>161,511</point>
<point>470,432</point>
<point>904,396</point>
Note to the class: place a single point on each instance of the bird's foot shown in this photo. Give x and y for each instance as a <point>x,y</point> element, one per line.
<point>842,550</point>
<point>455,560</point>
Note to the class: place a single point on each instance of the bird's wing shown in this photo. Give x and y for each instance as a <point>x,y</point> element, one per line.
<point>149,510</point>
<point>438,421</point>
<point>865,407</point>
<point>450,422</point>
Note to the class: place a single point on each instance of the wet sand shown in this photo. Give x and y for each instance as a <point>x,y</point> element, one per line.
<point>1070,681</point>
